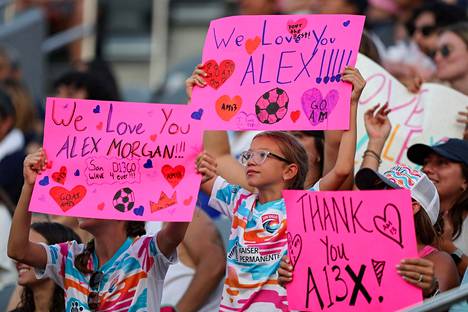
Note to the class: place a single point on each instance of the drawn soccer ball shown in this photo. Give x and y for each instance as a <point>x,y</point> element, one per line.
<point>272,106</point>
<point>124,199</point>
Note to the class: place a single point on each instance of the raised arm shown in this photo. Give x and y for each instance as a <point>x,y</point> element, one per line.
<point>20,248</point>
<point>345,161</point>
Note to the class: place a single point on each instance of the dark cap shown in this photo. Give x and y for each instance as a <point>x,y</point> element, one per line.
<point>368,179</point>
<point>455,150</point>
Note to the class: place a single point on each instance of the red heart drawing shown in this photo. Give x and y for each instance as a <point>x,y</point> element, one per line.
<point>295,115</point>
<point>187,201</point>
<point>252,44</point>
<point>153,137</point>
<point>390,224</point>
<point>218,74</point>
<point>60,176</point>
<point>173,175</point>
<point>295,248</point>
<point>49,165</point>
<point>226,108</point>
<point>100,206</point>
<point>67,199</point>
<point>295,27</point>
<point>99,126</point>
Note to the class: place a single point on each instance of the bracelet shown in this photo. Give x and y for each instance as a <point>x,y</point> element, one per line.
<point>372,154</point>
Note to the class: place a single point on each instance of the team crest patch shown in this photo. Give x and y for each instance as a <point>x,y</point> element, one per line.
<point>270,222</point>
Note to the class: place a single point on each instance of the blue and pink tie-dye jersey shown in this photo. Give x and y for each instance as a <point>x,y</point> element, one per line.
<point>256,244</point>
<point>132,281</point>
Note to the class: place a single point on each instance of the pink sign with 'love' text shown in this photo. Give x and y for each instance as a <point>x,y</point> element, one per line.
<point>344,247</point>
<point>119,160</point>
<point>278,72</point>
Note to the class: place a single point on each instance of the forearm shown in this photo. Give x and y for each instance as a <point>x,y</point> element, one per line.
<point>371,157</point>
<point>205,281</point>
<point>216,143</point>
<point>19,232</point>
<point>171,236</point>
<point>346,154</point>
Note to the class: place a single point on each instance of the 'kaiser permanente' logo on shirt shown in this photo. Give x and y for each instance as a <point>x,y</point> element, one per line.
<point>270,222</point>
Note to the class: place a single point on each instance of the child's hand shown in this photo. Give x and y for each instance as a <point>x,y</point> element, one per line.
<point>33,165</point>
<point>378,125</point>
<point>285,271</point>
<point>195,80</point>
<point>419,272</point>
<point>353,76</point>
<point>206,165</point>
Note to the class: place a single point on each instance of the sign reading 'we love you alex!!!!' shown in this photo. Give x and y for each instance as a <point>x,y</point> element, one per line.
<point>344,247</point>
<point>118,160</point>
<point>279,72</point>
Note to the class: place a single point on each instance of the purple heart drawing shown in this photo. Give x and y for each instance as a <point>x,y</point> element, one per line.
<point>97,109</point>
<point>139,211</point>
<point>148,164</point>
<point>346,23</point>
<point>197,115</point>
<point>317,108</point>
<point>44,181</point>
<point>246,121</point>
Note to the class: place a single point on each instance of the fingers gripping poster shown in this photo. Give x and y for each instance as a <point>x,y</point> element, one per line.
<point>119,160</point>
<point>279,72</point>
<point>344,247</point>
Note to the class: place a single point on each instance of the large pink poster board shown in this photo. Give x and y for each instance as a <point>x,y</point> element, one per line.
<point>278,72</point>
<point>119,160</point>
<point>344,247</point>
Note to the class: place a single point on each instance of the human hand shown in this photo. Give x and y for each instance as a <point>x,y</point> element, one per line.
<point>463,119</point>
<point>206,165</point>
<point>419,272</point>
<point>195,80</point>
<point>353,76</point>
<point>377,124</point>
<point>285,271</point>
<point>34,164</point>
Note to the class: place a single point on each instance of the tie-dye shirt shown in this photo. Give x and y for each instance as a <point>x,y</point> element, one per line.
<point>132,281</point>
<point>256,244</point>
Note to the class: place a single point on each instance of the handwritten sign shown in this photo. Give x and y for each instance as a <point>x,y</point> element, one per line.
<point>278,72</point>
<point>118,160</point>
<point>428,116</point>
<point>344,247</point>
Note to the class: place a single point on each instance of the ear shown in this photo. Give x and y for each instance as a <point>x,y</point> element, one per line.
<point>290,171</point>
<point>416,207</point>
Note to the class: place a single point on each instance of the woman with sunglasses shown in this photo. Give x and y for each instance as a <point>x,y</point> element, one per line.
<point>274,162</point>
<point>120,268</point>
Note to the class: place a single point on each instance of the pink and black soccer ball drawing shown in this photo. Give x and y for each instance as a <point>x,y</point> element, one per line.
<point>272,106</point>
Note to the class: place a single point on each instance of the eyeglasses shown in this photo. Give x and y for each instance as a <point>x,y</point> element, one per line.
<point>444,51</point>
<point>426,30</point>
<point>93,297</point>
<point>259,157</point>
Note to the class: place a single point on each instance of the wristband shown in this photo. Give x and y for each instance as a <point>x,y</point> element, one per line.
<point>372,154</point>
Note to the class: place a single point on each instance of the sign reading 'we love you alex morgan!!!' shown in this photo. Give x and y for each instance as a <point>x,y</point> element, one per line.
<point>119,160</point>
<point>278,72</point>
<point>344,247</point>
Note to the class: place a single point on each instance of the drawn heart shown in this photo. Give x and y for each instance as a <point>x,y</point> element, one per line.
<point>67,199</point>
<point>216,74</point>
<point>295,115</point>
<point>153,137</point>
<point>44,181</point>
<point>295,27</point>
<point>173,175</point>
<point>60,176</point>
<point>49,165</point>
<point>317,108</point>
<point>252,44</point>
<point>148,164</point>
<point>346,23</point>
<point>99,126</point>
<point>246,121</point>
<point>97,109</point>
<point>77,173</point>
<point>390,224</point>
<point>197,115</point>
<point>295,248</point>
<point>226,108</point>
<point>100,206</point>
<point>139,211</point>
<point>188,201</point>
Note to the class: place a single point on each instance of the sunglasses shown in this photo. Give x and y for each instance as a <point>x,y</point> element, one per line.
<point>426,30</point>
<point>93,296</point>
<point>259,157</point>
<point>444,51</point>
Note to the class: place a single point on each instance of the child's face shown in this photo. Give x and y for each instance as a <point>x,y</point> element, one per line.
<point>270,172</point>
<point>26,276</point>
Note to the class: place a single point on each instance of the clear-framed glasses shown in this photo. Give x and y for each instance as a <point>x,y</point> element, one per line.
<point>259,157</point>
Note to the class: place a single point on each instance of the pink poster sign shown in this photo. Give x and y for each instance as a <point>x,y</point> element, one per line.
<point>119,160</point>
<point>278,72</point>
<point>344,247</point>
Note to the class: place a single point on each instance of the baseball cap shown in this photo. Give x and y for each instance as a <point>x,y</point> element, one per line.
<point>454,150</point>
<point>401,176</point>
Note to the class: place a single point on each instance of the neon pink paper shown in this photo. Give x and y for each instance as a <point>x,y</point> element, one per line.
<point>119,160</point>
<point>278,72</point>
<point>348,244</point>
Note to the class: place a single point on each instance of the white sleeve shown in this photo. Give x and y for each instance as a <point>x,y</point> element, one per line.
<point>223,196</point>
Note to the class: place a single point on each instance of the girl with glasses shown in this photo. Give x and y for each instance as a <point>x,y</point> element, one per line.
<point>274,162</point>
<point>120,268</point>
